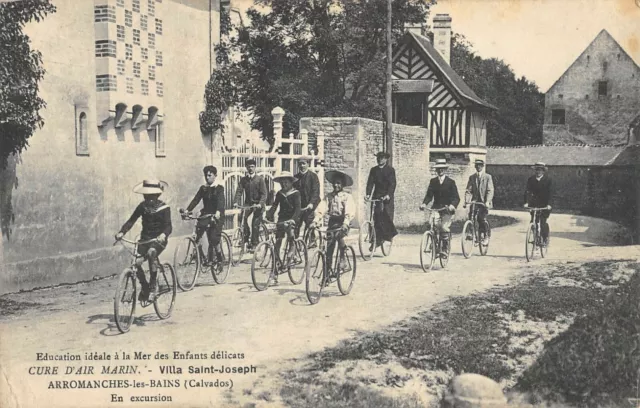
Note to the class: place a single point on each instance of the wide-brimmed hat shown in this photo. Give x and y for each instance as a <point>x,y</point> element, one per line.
<point>333,175</point>
<point>285,175</point>
<point>539,165</point>
<point>441,164</point>
<point>151,186</point>
<point>479,161</point>
<point>383,154</point>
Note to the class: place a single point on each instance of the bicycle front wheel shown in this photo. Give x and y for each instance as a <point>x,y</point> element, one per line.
<point>237,245</point>
<point>444,260</point>
<point>427,251</point>
<point>298,264</point>
<point>124,302</point>
<point>186,262</point>
<point>347,271</point>
<point>530,243</point>
<point>312,238</point>
<point>367,240</point>
<point>468,238</point>
<point>263,265</point>
<point>484,243</point>
<point>166,291</point>
<point>315,277</point>
<point>544,247</point>
<point>220,269</point>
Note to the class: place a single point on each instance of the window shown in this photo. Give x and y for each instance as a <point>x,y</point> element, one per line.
<point>618,56</point>
<point>409,109</point>
<point>602,88</point>
<point>557,116</point>
<point>588,59</point>
<point>586,97</point>
<point>561,96</point>
<point>604,66</point>
<point>82,140</point>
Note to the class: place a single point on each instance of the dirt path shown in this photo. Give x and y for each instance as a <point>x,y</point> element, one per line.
<point>270,328</point>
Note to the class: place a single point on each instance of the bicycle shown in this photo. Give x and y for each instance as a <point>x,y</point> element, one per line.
<point>188,257</point>
<point>471,233</point>
<point>534,235</point>
<point>317,275</point>
<point>431,243</point>
<point>367,235</point>
<point>312,238</point>
<point>239,241</point>
<point>124,301</point>
<point>267,264</point>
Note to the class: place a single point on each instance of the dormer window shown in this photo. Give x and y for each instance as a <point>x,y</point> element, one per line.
<point>602,88</point>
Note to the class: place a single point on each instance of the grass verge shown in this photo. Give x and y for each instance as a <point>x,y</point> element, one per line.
<point>499,334</point>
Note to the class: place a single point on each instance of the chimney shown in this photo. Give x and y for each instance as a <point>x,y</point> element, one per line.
<point>442,35</point>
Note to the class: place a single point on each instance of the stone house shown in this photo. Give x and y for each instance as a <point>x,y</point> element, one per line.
<point>596,99</point>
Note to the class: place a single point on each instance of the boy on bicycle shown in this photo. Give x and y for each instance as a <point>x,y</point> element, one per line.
<point>288,199</point>
<point>337,209</point>
<point>254,189</point>
<point>444,193</point>
<point>156,224</point>
<point>212,196</point>
<point>480,189</point>
<point>538,195</point>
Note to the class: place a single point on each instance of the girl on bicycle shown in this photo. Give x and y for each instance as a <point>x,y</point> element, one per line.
<point>156,223</point>
<point>288,199</point>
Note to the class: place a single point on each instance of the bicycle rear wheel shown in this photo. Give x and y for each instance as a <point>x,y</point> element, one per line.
<point>347,272</point>
<point>468,238</point>
<point>166,291</point>
<point>263,233</point>
<point>263,265</point>
<point>124,302</point>
<point>484,244</point>
<point>238,246</point>
<point>444,260</point>
<point>220,269</point>
<point>186,262</point>
<point>315,277</point>
<point>544,247</point>
<point>386,247</point>
<point>530,243</point>
<point>297,265</point>
<point>367,240</point>
<point>427,251</point>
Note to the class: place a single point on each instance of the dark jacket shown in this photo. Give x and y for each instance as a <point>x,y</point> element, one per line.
<point>538,193</point>
<point>212,199</point>
<point>442,194</point>
<point>156,219</point>
<point>254,189</point>
<point>309,187</point>
<point>289,207</point>
<point>384,181</point>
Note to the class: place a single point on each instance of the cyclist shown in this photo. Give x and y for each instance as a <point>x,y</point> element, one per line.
<point>212,196</point>
<point>255,193</point>
<point>288,199</point>
<point>337,210</point>
<point>381,184</point>
<point>444,193</point>
<point>156,223</point>
<point>538,195</point>
<point>480,189</point>
<point>308,185</point>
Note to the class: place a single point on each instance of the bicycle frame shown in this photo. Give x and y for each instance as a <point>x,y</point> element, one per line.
<point>536,226</point>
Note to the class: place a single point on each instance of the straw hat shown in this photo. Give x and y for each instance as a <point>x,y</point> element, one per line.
<point>383,154</point>
<point>539,165</point>
<point>332,175</point>
<point>441,164</point>
<point>150,186</point>
<point>285,175</point>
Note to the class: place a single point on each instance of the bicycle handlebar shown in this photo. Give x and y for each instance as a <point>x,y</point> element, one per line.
<point>189,216</point>
<point>537,209</point>
<point>435,209</point>
<point>477,203</point>
<point>137,242</point>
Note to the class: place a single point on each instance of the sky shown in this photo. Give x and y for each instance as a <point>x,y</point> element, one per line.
<point>539,39</point>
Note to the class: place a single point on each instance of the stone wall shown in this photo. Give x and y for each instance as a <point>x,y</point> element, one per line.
<point>605,192</point>
<point>67,203</point>
<point>351,143</point>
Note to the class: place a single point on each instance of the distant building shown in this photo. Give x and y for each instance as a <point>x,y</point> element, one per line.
<point>597,98</point>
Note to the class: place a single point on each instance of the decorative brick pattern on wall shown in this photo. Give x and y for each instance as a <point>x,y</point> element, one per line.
<point>106,83</point>
<point>105,48</point>
<point>104,14</point>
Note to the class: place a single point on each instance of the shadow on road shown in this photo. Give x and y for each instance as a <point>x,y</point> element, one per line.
<point>111,329</point>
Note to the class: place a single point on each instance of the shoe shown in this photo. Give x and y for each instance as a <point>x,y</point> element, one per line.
<point>144,295</point>
<point>344,265</point>
<point>152,296</point>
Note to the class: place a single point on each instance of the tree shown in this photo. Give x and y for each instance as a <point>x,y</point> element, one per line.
<point>520,103</point>
<point>312,58</point>
<point>20,72</point>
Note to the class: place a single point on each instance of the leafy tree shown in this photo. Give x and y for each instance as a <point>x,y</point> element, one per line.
<point>520,102</point>
<point>312,58</point>
<point>20,72</point>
